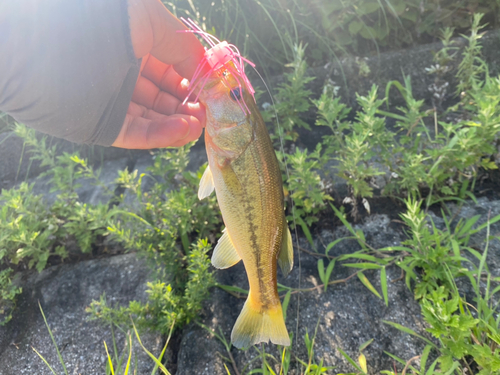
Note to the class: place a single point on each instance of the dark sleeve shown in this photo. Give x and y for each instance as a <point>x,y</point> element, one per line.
<point>67,67</point>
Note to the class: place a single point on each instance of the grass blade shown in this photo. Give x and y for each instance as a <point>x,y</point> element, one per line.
<point>43,359</point>
<point>484,225</point>
<point>362,363</point>
<point>332,244</point>
<point>286,301</point>
<point>364,345</point>
<point>423,359</point>
<point>306,231</point>
<point>383,284</point>
<point>409,331</point>
<point>431,369</point>
<point>230,288</point>
<point>364,266</point>
<point>321,271</point>
<point>368,284</point>
<point>349,359</point>
<point>129,354</point>
<point>164,347</point>
<point>367,257</point>
<point>110,362</point>
<point>155,360</point>
<point>328,272</point>
<point>53,340</point>
<point>343,219</point>
<point>395,357</point>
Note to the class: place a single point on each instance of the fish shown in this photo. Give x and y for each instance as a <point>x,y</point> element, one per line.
<point>244,172</point>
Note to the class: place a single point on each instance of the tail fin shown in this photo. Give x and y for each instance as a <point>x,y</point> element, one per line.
<point>253,326</point>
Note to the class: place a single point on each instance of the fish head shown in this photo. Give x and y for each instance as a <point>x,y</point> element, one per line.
<point>229,126</point>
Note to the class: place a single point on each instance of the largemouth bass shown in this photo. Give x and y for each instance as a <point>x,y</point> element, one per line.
<point>244,171</point>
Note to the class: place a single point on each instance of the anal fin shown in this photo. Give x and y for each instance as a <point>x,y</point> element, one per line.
<point>225,255</point>
<point>285,257</point>
<point>206,184</point>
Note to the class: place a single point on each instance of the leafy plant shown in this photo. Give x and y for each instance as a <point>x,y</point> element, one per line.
<point>167,213</point>
<point>433,258</point>
<point>472,67</point>
<point>306,186</point>
<point>438,163</point>
<point>156,223</point>
<point>167,303</point>
<point>8,293</point>
<point>27,229</point>
<point>292,98</point>
<point>354,149</point>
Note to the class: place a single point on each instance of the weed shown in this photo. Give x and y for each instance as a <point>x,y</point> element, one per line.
<point>8,293</point>
<point>114,364</point>
<point>472,67</point>
<point>415,160</point>
<point>269,364</point>
<point>306,185</point>
<point>33,231</point>
<point>361,366</point>
<point>433,259</point>
<point>292,98</point>
<point>167,303</point>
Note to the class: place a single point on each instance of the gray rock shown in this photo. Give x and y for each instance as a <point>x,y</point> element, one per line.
<point>64,292</point>
<point>108,172</point>
<point>346,315</point>
<point>88,191</point>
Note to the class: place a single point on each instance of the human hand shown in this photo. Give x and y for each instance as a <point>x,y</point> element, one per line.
<point>156,116</point>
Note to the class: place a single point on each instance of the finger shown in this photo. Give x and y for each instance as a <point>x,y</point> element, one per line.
<point>165,77</point>
<point>190,109</point>
<point>137,110</point>
<point>169,131</point>
<point>193,109</point>
<point>146,93</point>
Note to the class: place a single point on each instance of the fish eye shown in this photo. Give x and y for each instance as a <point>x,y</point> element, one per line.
<point>236,94</point>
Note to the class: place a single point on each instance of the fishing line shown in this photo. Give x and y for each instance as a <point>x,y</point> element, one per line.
<point>282,149</point>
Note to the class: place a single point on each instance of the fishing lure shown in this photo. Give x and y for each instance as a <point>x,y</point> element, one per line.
<point>244,172</point>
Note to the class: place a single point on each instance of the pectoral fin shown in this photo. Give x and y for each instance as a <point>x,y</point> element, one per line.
<point>225,255</point>
<point>285,257</point>
<point>206,184</point>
